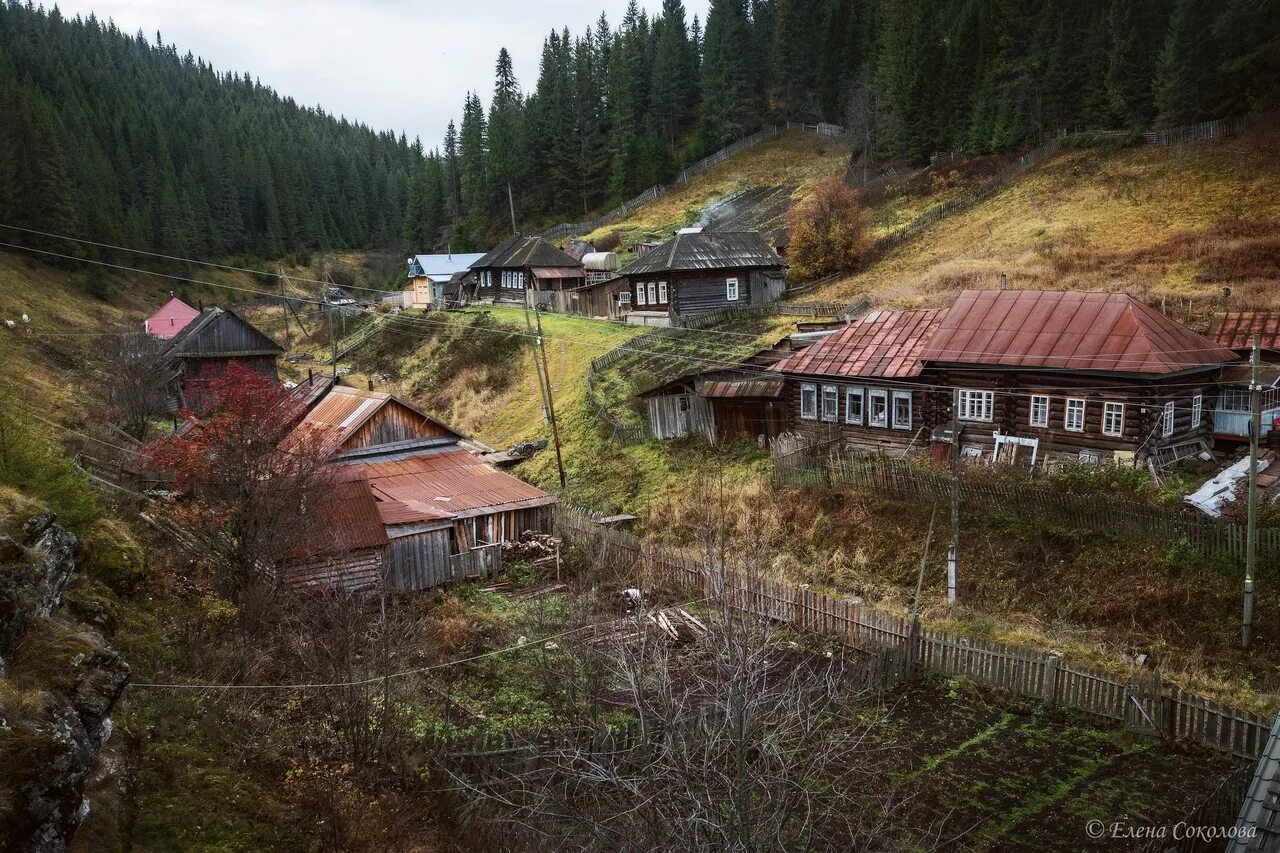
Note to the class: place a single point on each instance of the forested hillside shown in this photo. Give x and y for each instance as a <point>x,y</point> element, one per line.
<point>120,140</point>
<point>617,109</point>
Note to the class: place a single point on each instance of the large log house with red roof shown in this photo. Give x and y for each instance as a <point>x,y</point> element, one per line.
<point>1036,374</point>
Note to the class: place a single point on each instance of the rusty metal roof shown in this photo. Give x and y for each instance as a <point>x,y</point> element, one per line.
<point>706,250</point>
<point>882,344</point>
<point>340,414</point>
<point>557,272</point>
<point>1235,329</point>
<point>348,517</point>
<point>521,251</point>
<point>724,389</point>
<point>448,483</point>
<point>1064,330</point>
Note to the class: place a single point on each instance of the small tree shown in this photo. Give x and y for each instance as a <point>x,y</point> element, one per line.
<point>829,232</point>
<point>135,376</point>
<point>250,498</point>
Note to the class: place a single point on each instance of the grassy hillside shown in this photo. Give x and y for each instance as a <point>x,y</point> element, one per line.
<point>1172,223</point>
<point>766,180</point>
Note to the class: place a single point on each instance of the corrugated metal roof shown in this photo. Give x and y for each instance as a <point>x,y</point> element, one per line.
<point>1235,329</point>
<point>1067,331</point>
<point>706,250</point>
<point>520,251</point>
<point>443,484</point>
<point>443,266</point>
<point>348,516</point>
<point>882,344</point>
<point>771,388</point>
<point>170,318</point>
<point>342,412</point>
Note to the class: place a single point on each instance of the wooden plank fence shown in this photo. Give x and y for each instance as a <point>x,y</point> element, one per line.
<point>904,480</point>
<point>1141,701</point>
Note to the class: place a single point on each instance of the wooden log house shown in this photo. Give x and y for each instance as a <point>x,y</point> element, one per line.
<point>1037,375</point>
<point>524,269</point>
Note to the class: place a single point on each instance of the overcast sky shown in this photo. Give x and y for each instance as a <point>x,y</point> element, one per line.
<point>396,64</point>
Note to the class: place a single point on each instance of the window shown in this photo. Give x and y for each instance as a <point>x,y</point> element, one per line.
<point>1197,411</point>
<point>879,408</point>
<point>653,293</point>
<point>1166,421</point>
<point>1039,410</point>
<point>624,296</point>
<point>830,403</point>
<point>853,402</point>
<point>976,405</point>
<point>1073,420</point>
<point>1113,419</point>
<point>731,289</point>
<point>640,294</point>
<point>486,278</point>
<point>662,292</point>
<point>902,410</point>
<point>1235,400</point>
<point>809,402</point>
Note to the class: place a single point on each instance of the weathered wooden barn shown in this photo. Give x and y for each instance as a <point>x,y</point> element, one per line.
<point>205,347</point>
<point>1036,375</point>
<point>521,268</point>
<point>346,548</point>
<point>699,271</point>
<point>444,511</point>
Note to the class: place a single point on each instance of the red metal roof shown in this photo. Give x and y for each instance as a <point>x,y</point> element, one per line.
<point>1067,330</point>
<point>446,484</point>
<point>348,517</point>
<point>340,414</point>
<point>171,318</point>
<point>884,344</point>
<point>1235,329</point>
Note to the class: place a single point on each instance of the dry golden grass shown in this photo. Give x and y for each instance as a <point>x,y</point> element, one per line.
<point>1172,223</point>
<point>793,157</point>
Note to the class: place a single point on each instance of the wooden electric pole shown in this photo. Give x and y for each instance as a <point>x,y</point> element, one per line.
<point>551,404</point>
<point>284,309</point>
<point>511,205</point>
<point>1251,529</point>
<point>953,552</point>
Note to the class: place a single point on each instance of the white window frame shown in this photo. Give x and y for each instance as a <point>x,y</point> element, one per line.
<point>640,294</point>
<point>662,293</point>
<point>1166,419</point>
<point>731,289</point>
<point>882,395</point>
<point>808,401</point>
<point>832,393</point>
<point>1074,404</point>
<point>899,396</point>
<point>1043,420</point>
<point>624,296</point>
<point>1113,419</point>
<point>855,399</point>
<point>976,405</point>
<point>1197,411</point>
<point>653,293</point>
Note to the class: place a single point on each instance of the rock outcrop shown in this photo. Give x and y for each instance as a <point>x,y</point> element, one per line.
<point>65,693</point>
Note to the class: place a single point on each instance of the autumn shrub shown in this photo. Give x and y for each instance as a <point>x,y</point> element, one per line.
<point>829,233</point>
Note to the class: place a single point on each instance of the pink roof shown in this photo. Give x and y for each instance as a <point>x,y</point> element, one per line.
<point>882,344</point>
<point>1066,330</point>
<point>172,318</point>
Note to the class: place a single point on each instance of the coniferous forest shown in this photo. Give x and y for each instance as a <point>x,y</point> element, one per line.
<point>125,141</point>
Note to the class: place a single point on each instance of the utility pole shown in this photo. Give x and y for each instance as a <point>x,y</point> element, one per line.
<point>551,406</point>
<point>511,205</point>
<point>953,552</point>
<point>284,310</point>
<point>1251,529</point>
<point>333,341</point>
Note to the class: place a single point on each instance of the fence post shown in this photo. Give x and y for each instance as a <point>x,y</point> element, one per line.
<point>913,642</point>
<point>1051,678</point>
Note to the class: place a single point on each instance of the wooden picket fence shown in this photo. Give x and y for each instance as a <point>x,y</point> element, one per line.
<point>1141,701</point>
<point>905,480</point>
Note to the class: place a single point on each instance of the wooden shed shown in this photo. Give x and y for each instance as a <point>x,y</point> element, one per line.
<point>350,423</point>
<point>205,347</point>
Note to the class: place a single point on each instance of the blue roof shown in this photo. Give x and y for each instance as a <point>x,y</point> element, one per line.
<point>442,266</point>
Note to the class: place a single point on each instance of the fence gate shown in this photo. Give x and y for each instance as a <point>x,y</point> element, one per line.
<point>1143,704</point>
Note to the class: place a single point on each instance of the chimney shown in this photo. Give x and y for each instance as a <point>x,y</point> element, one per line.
<point>1004,281</point>
<point>309,376</point>
<point>371,383</point>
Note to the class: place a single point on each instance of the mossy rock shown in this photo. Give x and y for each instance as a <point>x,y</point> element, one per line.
<point>16,508</point>
<point>112,555</point>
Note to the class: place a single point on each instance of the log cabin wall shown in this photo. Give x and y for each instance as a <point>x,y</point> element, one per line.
<point>1143,398</point>
<point>823,426</point>
<point>350,572</point>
